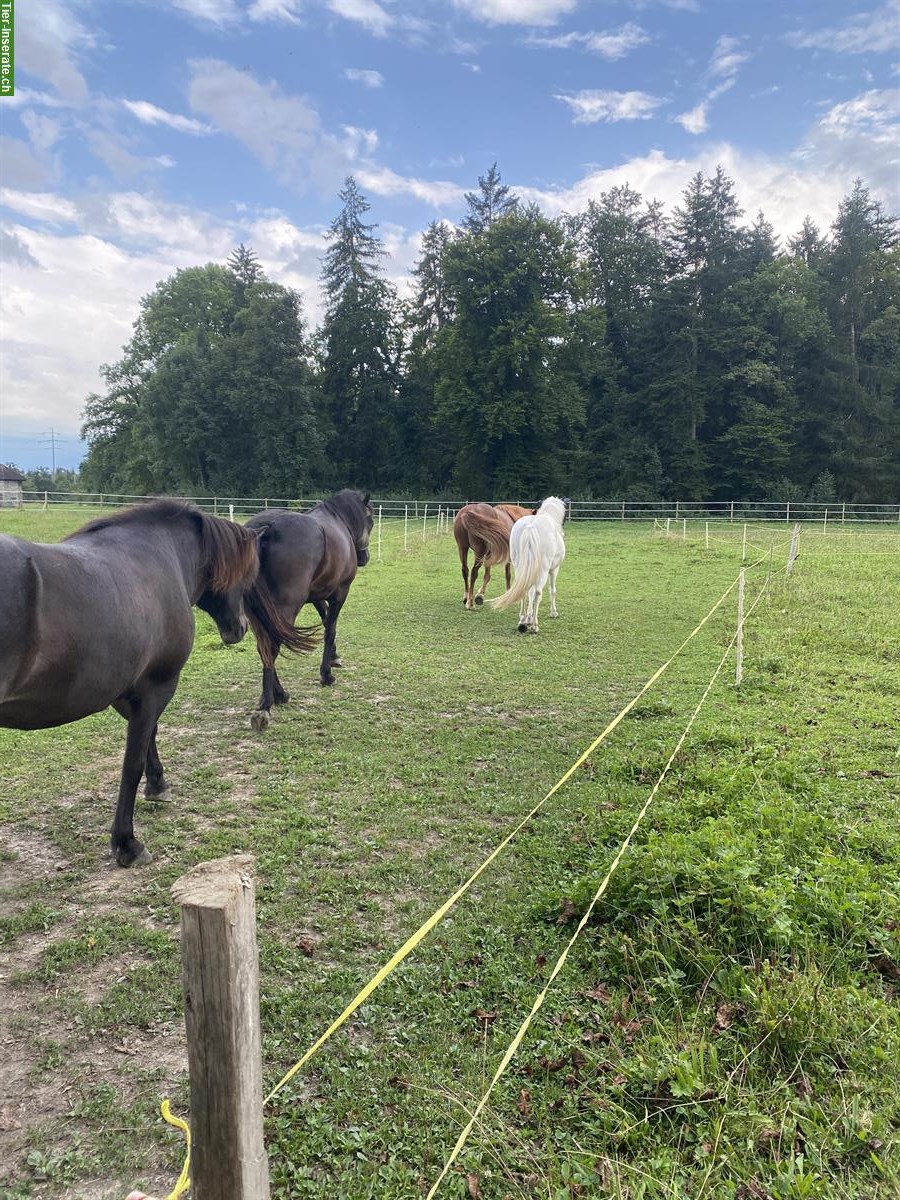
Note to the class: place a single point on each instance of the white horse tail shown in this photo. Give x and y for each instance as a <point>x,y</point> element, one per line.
<point>528,568</point>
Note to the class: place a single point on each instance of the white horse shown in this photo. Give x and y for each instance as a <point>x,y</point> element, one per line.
<point>536,549</point>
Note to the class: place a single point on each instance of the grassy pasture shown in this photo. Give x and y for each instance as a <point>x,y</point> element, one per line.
<point>726,1027</point>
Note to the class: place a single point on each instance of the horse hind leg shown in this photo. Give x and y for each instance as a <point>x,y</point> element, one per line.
<point>155,786</point>
<point>479,598</point>
<point>261,717</point>
<point>554,611</point>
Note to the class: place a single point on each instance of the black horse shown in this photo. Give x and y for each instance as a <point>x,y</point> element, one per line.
<point>105,618</point>
<point>304,557</point>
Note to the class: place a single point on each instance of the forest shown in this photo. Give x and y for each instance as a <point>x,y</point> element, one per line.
<point>619,353</point>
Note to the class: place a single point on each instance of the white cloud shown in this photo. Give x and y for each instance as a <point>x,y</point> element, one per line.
<point>359,142</point>
<point>275,10</point>
<point>385,182</point>
<point>364,12</point>
<point>370,79</point>
<point>695,120</point>
<point>516,12</point>
<point>283,131</point>
<point>43,132</point>
<point>863,33</point>
<point>859,137</point>
<point>39,206</point>
<point>217,12</point>
<point>150,114</point>
<point>47,45</point>
<point>611,44</point>
<point>726,57</point>
<point>590,106</point>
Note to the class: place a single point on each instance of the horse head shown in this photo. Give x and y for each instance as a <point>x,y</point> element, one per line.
<point>361,538</point>
<point>231,564</point>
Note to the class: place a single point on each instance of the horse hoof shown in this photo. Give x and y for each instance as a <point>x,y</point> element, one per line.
<point>327,681</point>
<point>163,797</point>
<point>142,859</point>
<point>522,627</point>
<point>479,600</point>
<point>260,720</point>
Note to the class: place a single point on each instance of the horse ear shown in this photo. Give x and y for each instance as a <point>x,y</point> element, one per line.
<point>367,497</point>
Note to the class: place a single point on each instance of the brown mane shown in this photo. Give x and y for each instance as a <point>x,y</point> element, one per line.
<point>228,551</point>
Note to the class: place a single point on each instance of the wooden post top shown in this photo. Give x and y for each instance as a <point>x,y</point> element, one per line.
<point>215,884</point>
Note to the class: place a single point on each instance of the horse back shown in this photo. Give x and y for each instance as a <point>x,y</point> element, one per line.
<point>303,556</point>
<point>80,625</point>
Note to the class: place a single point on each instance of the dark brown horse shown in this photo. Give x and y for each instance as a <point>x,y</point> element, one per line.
<point>311,556</point>
<point>484,529</point>
<point>105,618</point>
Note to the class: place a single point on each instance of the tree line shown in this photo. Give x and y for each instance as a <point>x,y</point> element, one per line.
<point>618,353</point>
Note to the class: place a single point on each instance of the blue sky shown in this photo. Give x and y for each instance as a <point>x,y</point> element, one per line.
<point>148,135</point>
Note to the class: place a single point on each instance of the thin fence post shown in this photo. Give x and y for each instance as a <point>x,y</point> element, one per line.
<point>739,643</point>
<point>731,518</point>
<point>668,522</point>
<point>684,529</point>
<point>425,522</point>
<point>843,512</point>
<point>215,506</point>
<point>220,970</point>
<point>787,513</point>
<point>405,526</point>
<point>623,510</point>
<point>744,545</point>
<point>825,522</point>
<point>45,501</point>
<point>101,499</point>
<point>707,535</point>
<point>794,550</point>
<point>379,533</point>
<point>230,512</point>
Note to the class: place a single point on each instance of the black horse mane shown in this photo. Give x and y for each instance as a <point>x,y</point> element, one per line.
<point>348,505</point>
<point>228,551</point>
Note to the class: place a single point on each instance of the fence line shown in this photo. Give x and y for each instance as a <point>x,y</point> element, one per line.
<point>560,962</point>
<point>732,512</point>
<point>416,938</point>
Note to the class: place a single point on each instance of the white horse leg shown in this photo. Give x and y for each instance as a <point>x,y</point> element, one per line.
<point>536,604</point>
<point>554,611</point>
<point>523,616</point>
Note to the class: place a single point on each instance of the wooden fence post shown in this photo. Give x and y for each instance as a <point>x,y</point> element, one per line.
<point>220,970</point>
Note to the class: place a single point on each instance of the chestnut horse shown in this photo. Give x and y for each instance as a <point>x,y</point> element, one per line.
<point>484,529</point>
<point>105,619</point>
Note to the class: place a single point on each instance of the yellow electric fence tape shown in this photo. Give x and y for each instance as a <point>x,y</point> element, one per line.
<point>541,996</point>
<point>184,1179</point>
<point>424,929</point>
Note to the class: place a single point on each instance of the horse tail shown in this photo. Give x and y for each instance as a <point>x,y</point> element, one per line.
<point>493,531</point>
<point>528,569</point>
<point>269,626</point>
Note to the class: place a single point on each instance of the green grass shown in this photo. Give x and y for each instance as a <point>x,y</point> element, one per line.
<point>727,1026</point>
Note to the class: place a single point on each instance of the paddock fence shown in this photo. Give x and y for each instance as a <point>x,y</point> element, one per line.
<point>220,958</point>
<point>730,511</point>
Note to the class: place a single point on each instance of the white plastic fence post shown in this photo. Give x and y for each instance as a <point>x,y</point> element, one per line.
<point>731,518</point>
<point>787,513</point>
<point>825,523</point>
<point>45,501</point>
<point>230,512</point>
<point>623,510</point>
<point>405,526</point>
<point>379,533</point>
<point>425,523</point>
<point>707,535</point>
<point>744,545</point>
<point>794,550</point>
<point>684,529</point>
<point>739,644</point>
<point>843,512</point>
<point>668,523</point>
